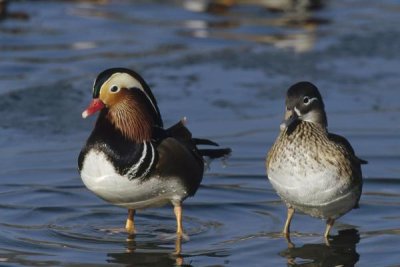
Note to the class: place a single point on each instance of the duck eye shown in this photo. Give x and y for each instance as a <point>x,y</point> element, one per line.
<point>306,100</point>
<point>114,89</point>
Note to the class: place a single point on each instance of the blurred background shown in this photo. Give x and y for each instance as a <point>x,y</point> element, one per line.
<point>225,65</point>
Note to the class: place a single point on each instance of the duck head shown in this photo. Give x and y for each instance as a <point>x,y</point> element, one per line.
<point>126,100</point>
<point>304,103</point>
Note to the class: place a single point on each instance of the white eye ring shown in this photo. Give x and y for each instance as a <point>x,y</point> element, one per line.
<point>114,89</point>
<point>308,100</point>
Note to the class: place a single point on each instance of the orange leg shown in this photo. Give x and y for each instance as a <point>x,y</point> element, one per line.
<point>178,215</point>
<point>130,223</point>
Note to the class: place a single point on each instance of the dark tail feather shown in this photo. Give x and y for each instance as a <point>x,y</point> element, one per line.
<point>215,153</point>
<point>180,131</point>
<point>199,141</point>
<point>362,161</point>
<point>211,153</point>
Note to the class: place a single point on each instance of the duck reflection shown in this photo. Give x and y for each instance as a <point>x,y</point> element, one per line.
<point>295,28</point>
<point>5,14</point>
<point>221,6</point>
<point>151,255</point>
<point>340,251</point>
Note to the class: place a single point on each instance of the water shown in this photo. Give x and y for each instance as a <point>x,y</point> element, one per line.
<point>227,72</point>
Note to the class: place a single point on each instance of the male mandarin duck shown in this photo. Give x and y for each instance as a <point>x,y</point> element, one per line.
<point>312,170</point>
<point>129,159</point>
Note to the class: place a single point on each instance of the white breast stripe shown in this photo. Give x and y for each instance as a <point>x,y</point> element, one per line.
<point>153,154</point>
<point>133,170</point>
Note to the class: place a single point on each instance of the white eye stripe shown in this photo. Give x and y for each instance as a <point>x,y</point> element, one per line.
<point>309,100</point>
<point>127,81</point>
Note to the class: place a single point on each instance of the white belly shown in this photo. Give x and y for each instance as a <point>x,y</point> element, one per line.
<point>100,177</point>
<point>317,191</point>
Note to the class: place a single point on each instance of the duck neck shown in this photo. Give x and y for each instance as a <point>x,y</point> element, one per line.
<point>316,117</point>
<point>132,120</point>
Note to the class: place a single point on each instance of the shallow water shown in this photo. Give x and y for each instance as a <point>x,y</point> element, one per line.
<point>227,72</point>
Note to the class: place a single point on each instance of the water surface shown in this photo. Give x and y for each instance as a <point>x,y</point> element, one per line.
<point>227,71</point>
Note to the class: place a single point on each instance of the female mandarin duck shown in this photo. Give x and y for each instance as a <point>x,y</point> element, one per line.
<point>129,159</point>
<point>312,170</point>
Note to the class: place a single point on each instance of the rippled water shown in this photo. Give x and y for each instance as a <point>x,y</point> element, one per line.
<point>227,70</point>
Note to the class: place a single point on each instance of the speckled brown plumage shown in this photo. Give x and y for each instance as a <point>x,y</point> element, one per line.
<point>314,141</point>
<point>312,170</point>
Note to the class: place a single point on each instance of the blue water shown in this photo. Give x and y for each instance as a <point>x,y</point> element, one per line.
<point>227,72</point>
